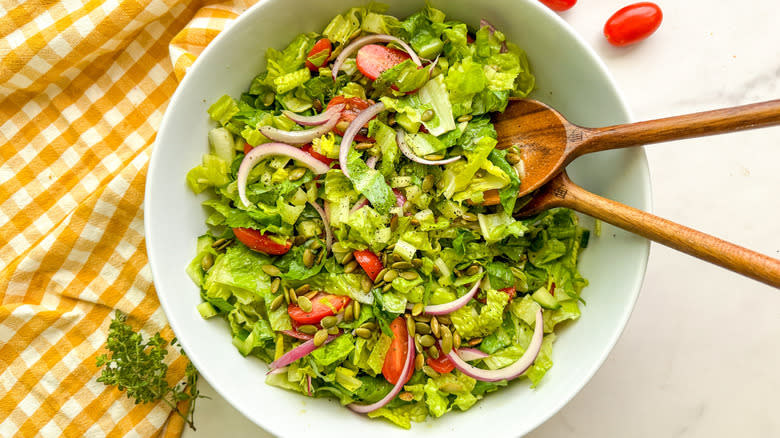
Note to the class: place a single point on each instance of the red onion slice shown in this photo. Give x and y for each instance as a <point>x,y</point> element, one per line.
<point>447,308</point>
<point>326,223</point>
<point>308,385</point>
<point>408,366</point>
<point>509,372</point>
<point>297,353</point>
<point>297,335</point>
<point>264,150</point>
<point>314,120</point>
<point>300,137</point>
<point>399,137</point>
<point>278,371</point>
<point>469,354</point>
<point>349,134</point>
<point>362,202</point>
<point>369,39</point>
<point>371,162</point>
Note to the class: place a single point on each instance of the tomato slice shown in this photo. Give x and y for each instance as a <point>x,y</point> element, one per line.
<point>319,308</point>
<point>633,23</point>
<point>309,149</point>
<point>373,59</point>
<point>352,107</point>
<point>322,45</point>
<point>247,147</point>
<point>441,365</point>
<point>260,242</point>
<point>559,5</point>
<point>369,262</point>
<point>509,291</point>
<point>396,355</point>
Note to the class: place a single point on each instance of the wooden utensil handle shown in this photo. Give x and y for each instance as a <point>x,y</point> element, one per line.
<point>733,257</point>
<point>756,115</point>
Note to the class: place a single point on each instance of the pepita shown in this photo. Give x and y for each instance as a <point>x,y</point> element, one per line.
<point>427,116</point>
<point>311,294</point>
<point>473,270</point>
<point>342,125</point>
<point>517,272</point>
<point>308,329</point>
<point>422,317</point>
<point>390,275</point>
<point>391,120</point>
<point>363,332</point>
<point>271,270</point>
<point>305,304</point>
<point>315,245</point>
<point>422,328</point>
<point>427,183</point>
<point>350,267</point>
<point>268,99</point>
<point>446,340</point>
<point>217,243</point>
<point>427,340</point>
<point>417,309</point>
<point>410,325</point>
<point>470,217</point>
<point>419,362</point>
<point>464,118</point>
<point>513,158</point>
<point>410,275</point>
<point>333,330</point>
<point>430,372</point>
<point>299,240</point>
<point>363,146</point>
<point>308,258</point>
<point>347,258</point>
<point>348,314</point>
<point>414,221</point>
<point>456,340</point>
<point>277,302</point>
<point>304,289</point>
<point>296,174</point>
<point>435,327</point>
<point>475,341</point>
<point>366,284</point>
<point>387,287</point>
<point>402,265</point>
<point>207,262</point>
<point>317,104</point>
<point>406,396</point>
<point>320,257</point>
<point>320,337</point>
<point>329,321</point>
<point>393,223</point>
<point>356,309</point>
<point>275,285</point>
<point>433,352</point>
<point>444,319</point>
<point>368,325</point>
<point>293,295</point>
<point>417,262</point>
<point>417,346</point>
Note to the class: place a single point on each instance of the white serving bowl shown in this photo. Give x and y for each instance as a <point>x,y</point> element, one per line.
<point>570,77</point>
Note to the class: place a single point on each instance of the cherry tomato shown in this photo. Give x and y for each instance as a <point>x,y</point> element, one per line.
<point>319,308</point>
<point>552,289</point>
<point>260,242</point>
<point>633,23</point>
<point>373,59</point>
<point>509,291</point>
<point>352,107</point>
<point>309,149</point>
<point>369,262</point>
<point>247,147</point>
<point>441,365</point>
<point>322,45</point>
<point>559,5</point>
<point>396,355</point>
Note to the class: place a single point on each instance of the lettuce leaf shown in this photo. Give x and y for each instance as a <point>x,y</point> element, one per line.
<point>370,183</point>
<point>471,323</point>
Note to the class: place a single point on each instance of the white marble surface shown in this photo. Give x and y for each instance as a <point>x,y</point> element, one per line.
<point>700,355</point>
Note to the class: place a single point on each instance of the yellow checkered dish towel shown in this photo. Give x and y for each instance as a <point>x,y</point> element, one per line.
<point>83,87</point>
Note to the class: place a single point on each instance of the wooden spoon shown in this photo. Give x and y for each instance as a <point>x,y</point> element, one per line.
<point>561,192</point>
<point>547,142</point>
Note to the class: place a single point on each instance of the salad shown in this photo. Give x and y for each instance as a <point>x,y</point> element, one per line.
<point>361,238</point>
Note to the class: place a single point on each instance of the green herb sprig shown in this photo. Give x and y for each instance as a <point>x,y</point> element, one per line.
<point>139,368</point>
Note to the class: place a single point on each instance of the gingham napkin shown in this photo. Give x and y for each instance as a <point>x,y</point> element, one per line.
<point>83,87</point>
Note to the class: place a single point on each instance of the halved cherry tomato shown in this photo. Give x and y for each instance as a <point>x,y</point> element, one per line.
<point>247,147</point>
<point>509,291</point>
<point>369,262</point>
<point>373,59</point>
<point>552,289</point>
<point>559,5</point>
<point>352,107</point>
<point>309,149</point>
<point>322,45</point>
<point>319,308</point>
<point>633,23</point>
<point>442,365</point>
<point>260,242</point>
<point>396,355</point>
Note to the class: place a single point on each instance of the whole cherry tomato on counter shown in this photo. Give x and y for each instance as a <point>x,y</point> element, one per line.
<point>633,23</point>
<point>559,5</point>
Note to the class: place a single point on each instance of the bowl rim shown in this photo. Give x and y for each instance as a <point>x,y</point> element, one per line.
<point>646,188</point>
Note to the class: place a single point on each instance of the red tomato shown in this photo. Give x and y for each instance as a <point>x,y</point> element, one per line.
<point>633,23</point>
<point>552,289</point>
<point>509,291</point>
<point>396,355</point>
<point>247,147</point>
<point>319,308</point>
<point>369,262</point>
<point>309,149</point>
<point>352,107</point>
<point>442,365</point>
<point>260,242</point>
<point>373,59</point>
<point>322,45</point>
<point>559,5</point>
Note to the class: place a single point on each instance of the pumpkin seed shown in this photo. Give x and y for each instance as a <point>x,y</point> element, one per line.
<point>339,247</point>
<point>320,257</point>
<point>513,158</point>
<point>356,309</point>
<point>363,332</point>
<point>387,287</point>
<point>293,295</point>
<point>391,120</point>
<point>277,302</point>
<point>272,270</point>
<point>328,321</point>
<point>419,362</point>
<point>366,284</point>
<point>308,258</point>
<point>474,342</point>
<point>456,340</point>
<point>347,258</point>
<point>308,329</point>
<point>303,289</point>
<point>417,345</point>
<point>275,285</point>
<point>417,309</point>
<point>444,319</point>
<point>402,265</point>
<point>473,270</point>
<point>414,221</point>
<point>410,275</point>
<point>390,276</point>
<point>392,245</point>
<point>342,125</point>
<point>393,223</point>
<point>268,99</point>
<point>430,372</point>
<point>433,352</point>
<point>446,339</point>
<point>333,330</point>
<point>410,325</point>
<point>217,243</point>
<point>464,118</point>
<point>422,328</point>
<point>427,183</point>
<point>320,337</point>
<point>363,146</point>
<point>470,217</point>
<point>317,104</point>
<point>423,318</point>
<point>351,266</point>
<point>311,294</point>
<point>435,327</point>
<point>368,325</point>
<point>299,240</point>
<point>427,115</point>
<point>315,245</point>
<point>348,314</point>
<point>427,340</point>
<point>406,396</point>
<point>207,262</point>
<point>305,304</point>
<point>296,174</point>
<point>517,272</point>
